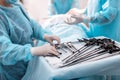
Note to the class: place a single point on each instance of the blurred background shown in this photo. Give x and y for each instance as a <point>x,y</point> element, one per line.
<point>38,9</point>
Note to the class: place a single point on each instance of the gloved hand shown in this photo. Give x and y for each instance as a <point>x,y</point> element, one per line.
<point>47,48</point>
<point>44,50</point>
<point>75,19</point>
<point>51,38</point>
<point>76,11</point>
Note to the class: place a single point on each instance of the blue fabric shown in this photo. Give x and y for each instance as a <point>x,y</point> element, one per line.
<point>105,18</point>
<point>11,1</point>
<point>115,77</point>
<point>62,6</point>
<point>16,33</point>
<point>84,71</point>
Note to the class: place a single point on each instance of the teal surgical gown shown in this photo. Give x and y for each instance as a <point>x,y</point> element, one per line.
<point>62,6</point>
<point>17,31</point>
<point>105,18</point>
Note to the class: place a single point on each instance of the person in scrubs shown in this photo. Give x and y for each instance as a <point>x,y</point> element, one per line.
<point>62,6</point>
<point>102,18</point>
<point>17,32</point>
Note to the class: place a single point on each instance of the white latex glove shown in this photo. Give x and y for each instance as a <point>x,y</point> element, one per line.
<point>47,48</point>
<point>51,38</point>
<point>44,50</point>
<point>75,19</point>
<point>76,11</point>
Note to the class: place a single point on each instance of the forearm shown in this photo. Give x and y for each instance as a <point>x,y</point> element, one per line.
<point>101,18</point>
<point>35,51</point>
<point>107,13</point>
<point>12,53</point>
<point>38,31</point>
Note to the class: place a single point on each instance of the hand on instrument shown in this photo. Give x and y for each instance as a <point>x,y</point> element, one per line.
<point>46,49</point>
<point>51,38</point>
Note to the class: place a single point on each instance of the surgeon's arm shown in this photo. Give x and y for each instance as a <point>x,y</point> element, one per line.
<point>11,53</point>
<point>107,15</point>
<point>38,31</point>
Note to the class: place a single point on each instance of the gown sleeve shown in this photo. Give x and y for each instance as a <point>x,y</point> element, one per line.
<point>11,53</point>
<point>107,14</point>
<point>38,31</point>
